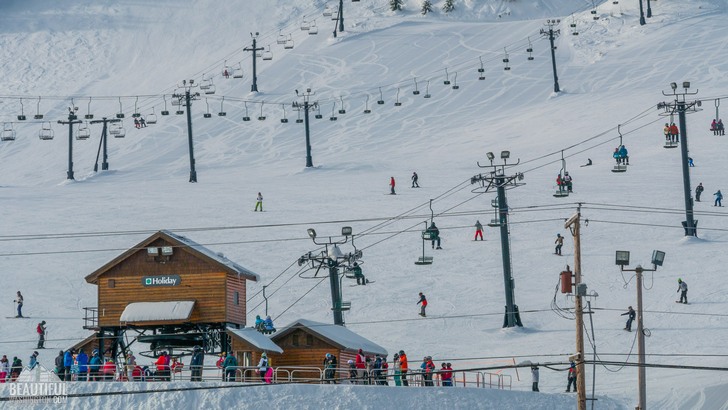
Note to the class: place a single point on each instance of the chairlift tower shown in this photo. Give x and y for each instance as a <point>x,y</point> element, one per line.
<point>497,179</point>
<point>306,106</point>
<point>71,120</point>
<point>682,106</point>
<point>254,49</point>
<point>102,143</point>
<point>333,258</point>
<point>188,96</point>
<point>552,34</point>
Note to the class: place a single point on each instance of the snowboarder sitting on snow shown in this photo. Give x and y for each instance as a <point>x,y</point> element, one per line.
<point>699,190</point>
<point>360,279</point>
<point>682,287</point>
<point>434,235</point>
<point>630,317</point>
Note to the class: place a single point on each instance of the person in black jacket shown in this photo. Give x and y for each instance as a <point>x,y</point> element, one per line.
<point>699,190</point>
<point>60,369</point>
<point>196,363</point>
<point>630,317</point>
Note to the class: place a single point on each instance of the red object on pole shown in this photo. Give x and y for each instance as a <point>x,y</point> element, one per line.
<point>566,281</point>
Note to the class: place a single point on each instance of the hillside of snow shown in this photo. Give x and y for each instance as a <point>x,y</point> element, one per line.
<point>106,57</point>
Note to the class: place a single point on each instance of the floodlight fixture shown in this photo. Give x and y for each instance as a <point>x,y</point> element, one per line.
<point>167,250</point>
<point>686,84</point>
<point>505,154</point>
<point>311,233</point>
<point>622,258</point>
<point>346,231</point>
<point>673,86</point>
<point>658,257</point>
<point>490,156</point>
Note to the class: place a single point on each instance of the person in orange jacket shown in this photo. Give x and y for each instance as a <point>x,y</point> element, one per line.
<point>403,367</point>
<point>674,133</point>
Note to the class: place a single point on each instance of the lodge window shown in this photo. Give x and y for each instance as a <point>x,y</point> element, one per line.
<point>236,298</point>
<point>309,340</point>
<point>112,283</point>
<point>294,340</point>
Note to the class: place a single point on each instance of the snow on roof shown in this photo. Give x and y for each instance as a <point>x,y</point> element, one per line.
<point>339,335</point>
<point>256,339</point>
<point>218,257</point>
<point>157,311</point>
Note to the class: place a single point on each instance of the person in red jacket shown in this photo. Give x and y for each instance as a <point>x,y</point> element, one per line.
<point>162,367</point>
<point>403,367</point>
<point>361,366</point>
<point>422,301</point>
<point>391,186</point>
<point>674,133</point>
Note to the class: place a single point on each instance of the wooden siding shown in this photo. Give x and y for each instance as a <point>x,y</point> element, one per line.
<point>200,281</point>
<point>236,313</point>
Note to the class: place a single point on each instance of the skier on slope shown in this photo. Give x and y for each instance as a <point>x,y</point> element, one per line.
<point>259,202</point>
<point>391,186</point>
<point>423,302</point>
<point>41,330</point>
<point>682,288</point>
<point>478,230</point>
<point>698,191</point>
<point>414,180</point>
<point>718,198</point>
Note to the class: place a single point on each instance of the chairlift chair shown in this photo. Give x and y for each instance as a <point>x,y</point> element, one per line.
<point>227,71</point>
<point>46,131</point>
<point>426,236</point>
<point>342,110</point>
<point>246,117</point>
<point>21,117</point>
<point>397,103</point>
<point>261,117</point>
<point>495,222</point>
<point>207,113</point>
<point>327,11</point>
<point>313,30</point>
<point>205,83</point>
<point>289,43</point>
<point>284,120</point>
<point>670,144</point>
<point>416,91</point>
<point>562,190</point>
<point>299,120</point>
<point>38,115</point>
<point>333,115</point>
<point>366,106</point>
<point>529,50</point>
<point>117,130</point>
<point>481,70</point>
<point>238,71</point>
<point>620,166</point>
<point>447,78</point>
<point>136,113</point>
<point>222,112</point>
<point>427,90</point>
<point>318,115</point>
<point>8,132</point>
<point>151,117</point>
<point>282,37</point>
<point>88,115</point>
<point>210,89</point>
<point>83,133</point>
<point>305,25</point>
<point>335,13</point>
<point>164,111</point>
<point>455,85</point>
<point>380,101</point>
<point>120,114</point>
<point>506,61</point>
<point>268,55</point>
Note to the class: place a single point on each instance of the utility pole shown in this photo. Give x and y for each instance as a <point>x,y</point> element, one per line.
<point>102,143</point>
<point>497,179</point>
<point>552,34</point>
<point>254,49</point>
<point>622,259</point>
<point>333,258</point>
<point>188,97</point>
<point>71,120</point>
<point>574,223</point>
<point>642,15</point>
<point>682,106</point>
<point>306,106</point>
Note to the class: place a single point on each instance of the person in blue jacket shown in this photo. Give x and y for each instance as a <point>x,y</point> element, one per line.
<point>33,360</point>
<point>623,155</point>
<point>718,198</point>
<point>82,360</point>
<point>94,365</point>
<point>67,363</point>
<point>259,323</point>
<point>269,324</point>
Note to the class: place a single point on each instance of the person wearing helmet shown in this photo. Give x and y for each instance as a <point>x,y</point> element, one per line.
<point>682,287</point>
<point>196,363</point>
<point>263,366</point>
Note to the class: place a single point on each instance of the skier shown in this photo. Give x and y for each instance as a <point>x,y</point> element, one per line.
<point>571,377</point>
<point>423,301</point>
<point>699,190</point>
<point>674,133</point>
<point>682,287</point>
<point>196,363</point>
<point>226,74</point>
<point>714,127</point>
<point>718,198</point>
<point>630,317</point>
<point>34,362</point>
<point>534,378</point>
<point>60,370</point>
<point>68,363</point>
<point>19,301</point>
<point>360,279</point>
<point>403,367</point>
<point>330,368</point>
<point>567,182</point>
<point>259,202</point>
<point>5,368</point>
<point>478,230</point>
<point>391,186</point>
<point>690,162</point>
<point>559,243</point>
<point>263,366</point>
<point>434,235</point>
<point>623,155</point>
<point>82,360</point>
<point>588,162</point>
<point>666,131</point>
<point>41,330</point>
<point>414,180</point>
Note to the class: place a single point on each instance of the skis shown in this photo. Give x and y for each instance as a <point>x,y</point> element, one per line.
<point>15,317</point>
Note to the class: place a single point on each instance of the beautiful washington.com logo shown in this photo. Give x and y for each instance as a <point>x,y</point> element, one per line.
<point>38,392</point>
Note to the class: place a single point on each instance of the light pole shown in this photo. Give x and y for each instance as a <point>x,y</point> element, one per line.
<point>306,106</point>
<point>498,180</point>
<point>682,106</point>
<point>622,260</point>
<point>188,97</point>
<point>71,120</point>
<point>333,258</point>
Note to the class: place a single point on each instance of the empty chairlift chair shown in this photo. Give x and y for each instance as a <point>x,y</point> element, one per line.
<point>83,133</point>
<point>151,117</point>
<point>46,132</point>
<point>8,132</point>
<point>117,130</point>
<point>313,29</point>
<point>238,71</point>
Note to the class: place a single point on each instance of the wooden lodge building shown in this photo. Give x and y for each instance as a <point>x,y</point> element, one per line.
<point>170,292</point>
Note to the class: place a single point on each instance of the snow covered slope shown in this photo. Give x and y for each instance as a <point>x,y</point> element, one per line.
<point>612,73</point>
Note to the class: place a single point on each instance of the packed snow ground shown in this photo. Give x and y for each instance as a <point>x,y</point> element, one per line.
<point>613,72</point>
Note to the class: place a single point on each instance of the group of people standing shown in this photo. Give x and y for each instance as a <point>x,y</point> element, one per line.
<point>718,195</point>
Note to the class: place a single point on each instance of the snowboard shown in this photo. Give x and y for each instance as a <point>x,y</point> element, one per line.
<point>677,301</point>
<point>15,317</point>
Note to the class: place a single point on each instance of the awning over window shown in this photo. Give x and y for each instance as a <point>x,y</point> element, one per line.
<point>157,311</point>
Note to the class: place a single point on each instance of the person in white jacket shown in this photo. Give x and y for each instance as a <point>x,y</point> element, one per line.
<point>4,369</point>
<point>263,366</point>
<point>534,377</point>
